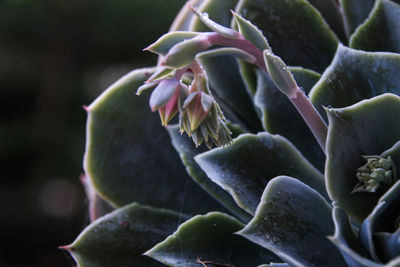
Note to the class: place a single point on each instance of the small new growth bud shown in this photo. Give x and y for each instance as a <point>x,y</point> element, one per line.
<point>182,54</point>
<point>280,74</point>
<point>378,171</point>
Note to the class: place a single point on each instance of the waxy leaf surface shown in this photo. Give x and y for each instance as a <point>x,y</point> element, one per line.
<point>121,237</point>
<point>187,151</point>
<point>381,31</point>
<point>293,221</point>
<point>356,75</point>
<point>210,238</point>
<point>367,128</point>
<point>129,157</point>
<point>294,29</point>
<point>246,166</point>
<point>279,116</point>
<point>355,13</point>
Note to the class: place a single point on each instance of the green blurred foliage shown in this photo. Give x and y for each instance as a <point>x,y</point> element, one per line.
<point>55,56</point>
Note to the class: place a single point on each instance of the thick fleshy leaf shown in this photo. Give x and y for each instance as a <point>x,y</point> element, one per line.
<point>293,221</point>
<point>217,10</point>
<point>250,32</point>
<point>381,31</point>
<point>355,12</point>
<point>382,221</point>
<point>187,151</point>
<point>367,128</point>
<point>279,116</point>
<point>168,40</point>
<point>246,166</point>
<point>347,242</point>
<point>128,154</point>
<point>331,12</point>
<point>295,31</point>
<point>210,239</point>
<point>121,237</point>
<point>356,75</point>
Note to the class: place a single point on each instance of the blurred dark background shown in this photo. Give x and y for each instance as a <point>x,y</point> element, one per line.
<point>55,56</point>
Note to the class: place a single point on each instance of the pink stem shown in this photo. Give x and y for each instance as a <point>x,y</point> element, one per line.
<point>311,116</point>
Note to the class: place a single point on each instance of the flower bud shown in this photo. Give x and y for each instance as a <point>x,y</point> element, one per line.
<point>280,74</point>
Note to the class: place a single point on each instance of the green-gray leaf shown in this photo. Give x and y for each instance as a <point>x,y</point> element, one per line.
<point>347,242</point>
<point>356,75</point>
<point>217,10</point>
<point>279,116</point>
<point>245,167</point>
<point>381,31</point>
<point>120,238</point>
<point>128,154</point>
<point>329,9</point>
<point>168,40</point>
<point>293,221</point>
<point>296,31</point>
<point>187,151</point>
<point>210,239</point>
<point>355,12</point>
<point>366,128</point>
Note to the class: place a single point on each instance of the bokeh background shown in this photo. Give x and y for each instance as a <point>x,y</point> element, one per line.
<point>55,56</point>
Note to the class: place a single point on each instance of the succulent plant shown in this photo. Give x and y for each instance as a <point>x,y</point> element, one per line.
<point>285,116</point>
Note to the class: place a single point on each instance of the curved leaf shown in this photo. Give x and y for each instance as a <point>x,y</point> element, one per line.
<point>209,239</point>
<point>347,242</point>
<point>187,151</point>
<point>367,128</point>
<point>295,30</point>
<point>355,12</point>
<point>250,32</point>
<point>121,237</point>
<point>331,12</point>
<point>168,40</point>
<point>293,221</point>
<point>245,167</point>
<point>382,220</point>
<point>356,75</point>
<point>128,154</point>
<point>381,31</point>
<point>279,116</point>
<point>217,10</point>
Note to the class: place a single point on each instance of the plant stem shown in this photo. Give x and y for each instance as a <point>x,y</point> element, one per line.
<point>241,44</point>
<point>311,116</point>
<point>302,103</point>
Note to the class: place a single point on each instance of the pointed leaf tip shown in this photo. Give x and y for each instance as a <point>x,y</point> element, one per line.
<point>214,26</point>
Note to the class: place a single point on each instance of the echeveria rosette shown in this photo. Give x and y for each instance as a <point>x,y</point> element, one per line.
<point>369,127</point>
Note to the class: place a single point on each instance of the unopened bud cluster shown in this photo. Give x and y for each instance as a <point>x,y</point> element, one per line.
<point>199,114</point>
<point>378,171</point>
